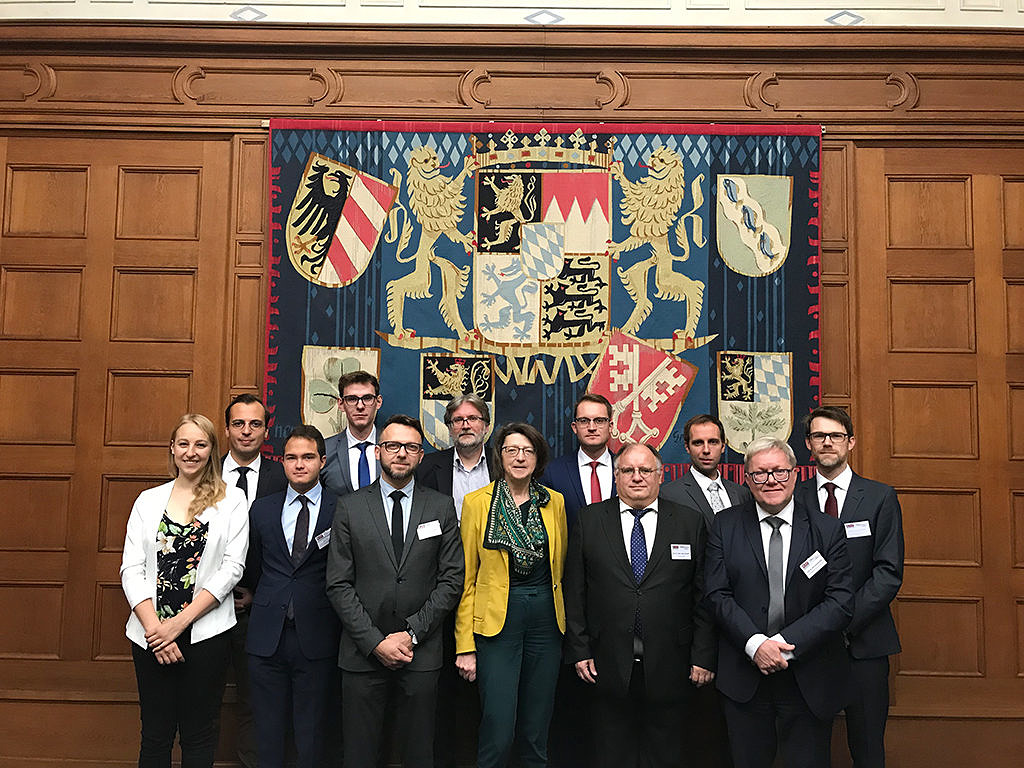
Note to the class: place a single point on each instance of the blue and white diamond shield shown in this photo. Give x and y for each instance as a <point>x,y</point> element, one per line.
<point>542,251</point>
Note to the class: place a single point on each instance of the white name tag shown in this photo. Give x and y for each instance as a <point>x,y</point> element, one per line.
<point>812,564</point>
<point>858,529</point>
<point>681,552</point>
<point>323,539</point>
<point>428,530</point>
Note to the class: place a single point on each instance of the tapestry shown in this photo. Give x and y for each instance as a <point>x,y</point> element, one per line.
<point>671,268</point>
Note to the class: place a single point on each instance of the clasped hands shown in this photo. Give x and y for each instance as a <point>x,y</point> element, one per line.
<point>395,650</point>
<point>161,640</point>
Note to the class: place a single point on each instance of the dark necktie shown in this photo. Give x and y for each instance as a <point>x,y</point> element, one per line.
<point>301,532</point>
<point>397,528</point>
<point>638,546</point>
<point>831,503</point>
<point>364,465</point>
<point>243,481</point>
<point>776,579</point>
<point>595,484</point>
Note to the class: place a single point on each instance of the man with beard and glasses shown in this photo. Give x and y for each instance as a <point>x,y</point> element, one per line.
<point>873,525</point>
<point>456,471</point>
<point>394,571</point>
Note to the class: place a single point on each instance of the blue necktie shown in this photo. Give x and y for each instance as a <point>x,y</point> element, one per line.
<point>364,465</point>
<point>638,546</point>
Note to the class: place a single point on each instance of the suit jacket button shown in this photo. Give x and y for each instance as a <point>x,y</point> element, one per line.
<point>399,579</point>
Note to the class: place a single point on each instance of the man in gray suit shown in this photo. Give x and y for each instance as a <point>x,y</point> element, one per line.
<point>350,453</point>
<point>703,486</point>
<point>394,571</point>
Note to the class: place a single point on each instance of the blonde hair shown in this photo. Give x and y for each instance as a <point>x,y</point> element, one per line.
<point>211,488</point>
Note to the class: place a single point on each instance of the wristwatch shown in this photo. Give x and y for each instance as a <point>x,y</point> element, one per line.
<point>412,635</point>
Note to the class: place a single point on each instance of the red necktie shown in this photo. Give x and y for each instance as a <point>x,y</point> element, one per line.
<point>595,484</point>
<point>831,505</point>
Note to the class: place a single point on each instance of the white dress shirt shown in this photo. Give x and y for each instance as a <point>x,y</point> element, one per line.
<point>842,483</point>
<point>604,474</point>
<point>704,482</point>
<point>786,515</point>
<point>386,489</point>
<point>291,509</point>
<point>229,473</point>
<point>648,521</point>
<point>353,456</point>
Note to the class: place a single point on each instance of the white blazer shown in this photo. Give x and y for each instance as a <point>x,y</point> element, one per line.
<point>220,567</point>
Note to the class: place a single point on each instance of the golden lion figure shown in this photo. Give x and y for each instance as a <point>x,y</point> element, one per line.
<point>649,207</point>
<point>437,201</point>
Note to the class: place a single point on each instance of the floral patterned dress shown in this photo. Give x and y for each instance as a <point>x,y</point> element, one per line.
<point>179,548</point>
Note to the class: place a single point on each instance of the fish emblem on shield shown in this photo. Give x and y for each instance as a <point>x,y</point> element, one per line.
<point>755,217</point>
<point>755,396</point>
<point>335,221</point>
<point>443,377</point>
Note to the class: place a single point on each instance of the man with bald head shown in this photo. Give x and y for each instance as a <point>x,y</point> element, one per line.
<point>636,629</point>
<point>779,581</point>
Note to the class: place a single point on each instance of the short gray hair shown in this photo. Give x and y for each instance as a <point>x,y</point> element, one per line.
<point>631,444</point>
<point>477,402</point>
<point>762,444</point>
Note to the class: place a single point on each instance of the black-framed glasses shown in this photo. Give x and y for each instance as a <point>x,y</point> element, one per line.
<point>779,475</point>
<point>819,437</point>
<point>598,421</point>
<point>459,421</point>
<point>514,450</point>
<point>254,424</point>
<point>393,446</point>
<point>366,400</point>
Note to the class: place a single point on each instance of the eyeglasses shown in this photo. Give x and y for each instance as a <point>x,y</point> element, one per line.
<point>459,421</point>
<point>514,450</point>
<point>645,472</point>
<point>820,437</point>
<point>366,400</point>
<point>393,446</point>
<point>779,475</point>
<point>599,421</point>
<point>254,425</point>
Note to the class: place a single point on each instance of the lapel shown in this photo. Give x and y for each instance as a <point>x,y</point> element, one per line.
<point>445,473</point>
<point>698,497</point>
<point>732,490</point>
<point>854,496</point>
<point>807,494</point>
<point>376,511</point>
<point>323,522</point>
<point>752,533</point>
<point>612,525</point>
<point>415,518</point>
<point>279,532</point>
<point>800,544</point>
<point>547,516</point>
<point>572,468</point>
<point>661,540</point>
<point>342,455</point>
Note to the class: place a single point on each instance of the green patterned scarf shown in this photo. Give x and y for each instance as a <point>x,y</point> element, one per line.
<point>506,530</point>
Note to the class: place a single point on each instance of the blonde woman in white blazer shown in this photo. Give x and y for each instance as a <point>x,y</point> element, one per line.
<point>184,551</point>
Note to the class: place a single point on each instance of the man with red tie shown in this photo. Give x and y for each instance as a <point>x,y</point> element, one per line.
<point>873,525</point>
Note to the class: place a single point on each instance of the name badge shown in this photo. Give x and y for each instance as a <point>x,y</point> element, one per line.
<point>681,552</point>
<point>428,530</point>
<point>323,539</point>
<point>858,529</point>
<point>812,564</point>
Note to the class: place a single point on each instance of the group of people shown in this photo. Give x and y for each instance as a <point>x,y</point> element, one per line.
<point>581,591</point>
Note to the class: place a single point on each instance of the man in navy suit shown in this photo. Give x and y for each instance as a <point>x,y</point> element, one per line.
<point>456,471</point>
<point>585,476</point>
<point>873,524</point>
<point>245,426</point>
<point>779,582</point>
<point>395,570</point>
<point>703,487</point>
<point>293,632</point>
<point>350,459</point>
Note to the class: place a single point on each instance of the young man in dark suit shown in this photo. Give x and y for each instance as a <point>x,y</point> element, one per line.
<point>394,572</point>
<point>635,626</point>
<point>456,471</point>
<point>703,486</point>
<point>293,633</point>
<point>350,459</point>
<point>245,426</point>
<point>873,524</point>
<point>778,579</point>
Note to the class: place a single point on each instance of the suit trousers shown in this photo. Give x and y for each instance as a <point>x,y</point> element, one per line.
<point>517,671</point>
<point>634,732</point>
<point>367,696</point>
<point>867,711</point>
<point>458,705</point>
<point>290,690</point>
<point>183,699</point>
<point>777,719</point>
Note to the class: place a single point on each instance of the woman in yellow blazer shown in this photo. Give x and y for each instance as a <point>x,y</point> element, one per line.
<point>510,622</point>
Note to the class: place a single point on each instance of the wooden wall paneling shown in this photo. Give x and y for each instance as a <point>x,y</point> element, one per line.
<point>838,312</point>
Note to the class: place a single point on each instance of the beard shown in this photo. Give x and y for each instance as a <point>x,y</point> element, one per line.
<point>398,473</point>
